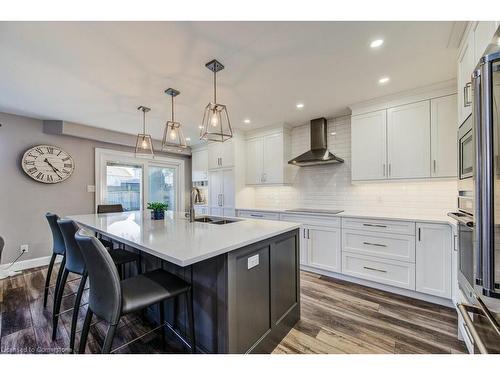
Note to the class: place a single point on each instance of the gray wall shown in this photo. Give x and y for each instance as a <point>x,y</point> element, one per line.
<point>24,202</point>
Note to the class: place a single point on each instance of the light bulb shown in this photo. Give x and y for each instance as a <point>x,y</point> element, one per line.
<point>214,120</point>
<point>173,135</point>
<point>144,144</point>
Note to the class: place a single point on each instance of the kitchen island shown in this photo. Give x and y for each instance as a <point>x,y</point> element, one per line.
<point>244,274</point>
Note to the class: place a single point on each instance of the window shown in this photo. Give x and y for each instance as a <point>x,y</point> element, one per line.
<point>124,185</point>
<point>122,178</point>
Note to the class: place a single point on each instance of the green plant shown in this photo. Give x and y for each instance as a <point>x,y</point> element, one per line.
<point>157,206</point>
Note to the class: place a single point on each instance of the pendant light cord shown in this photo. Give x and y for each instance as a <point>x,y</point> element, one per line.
<point>143,121</point>
<point>172,108</point>
<point>215,87</point>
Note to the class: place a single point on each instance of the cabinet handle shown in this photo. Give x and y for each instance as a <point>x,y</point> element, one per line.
<point>434,162</point>
<point>383,166</point>
<point>467,88</point>
<point>219,200</point>
<point>308,235</point>
<point>305,233</point>
<point>256,215</point>
<point>419,233</point>
<point>375,225</point>
<point>374,244</point>
<point>389,169</point>
<point>374,269</point>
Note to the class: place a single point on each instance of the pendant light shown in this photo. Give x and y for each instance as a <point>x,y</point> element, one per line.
<point>215,125</point>
<point>173,136</point>
<point>144,144</point>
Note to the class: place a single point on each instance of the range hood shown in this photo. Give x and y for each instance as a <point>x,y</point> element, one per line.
<point>319,153</point>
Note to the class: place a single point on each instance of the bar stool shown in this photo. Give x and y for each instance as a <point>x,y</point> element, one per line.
<point>110,298</point>
<point>76,264</point>
<point>58,248</point>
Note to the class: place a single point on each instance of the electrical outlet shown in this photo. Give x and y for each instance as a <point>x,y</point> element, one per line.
<point>24,248</point>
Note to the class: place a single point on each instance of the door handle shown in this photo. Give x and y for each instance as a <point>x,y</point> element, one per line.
<point>374,269</point>
<point>375,225</point>
<point>383,166</point>
<point>389,169</point>
<point>467,88</point>
<point>434,162</point>
<point>419,234</point>
<point>374,244</point>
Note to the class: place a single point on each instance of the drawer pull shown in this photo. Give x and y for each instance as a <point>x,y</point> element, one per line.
<point>375,225</point>
<point>374,269</point>
<point>374,244</point>
<point>256,215</point>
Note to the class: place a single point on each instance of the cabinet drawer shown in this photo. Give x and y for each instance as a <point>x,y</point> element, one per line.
<point>382,245</point>
<point>259,215</point>
<point>327,221</point>
<point>390,272</point>
<point>382,226</point>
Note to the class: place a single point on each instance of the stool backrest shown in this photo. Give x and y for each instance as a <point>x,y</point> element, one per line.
<point>58,246</point>
<point>105,298</point>
<point>74,258</point>
<point>2,243</point>
<point>109,208</point>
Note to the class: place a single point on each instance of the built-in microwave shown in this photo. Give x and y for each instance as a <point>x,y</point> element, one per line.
<point>465,150</point>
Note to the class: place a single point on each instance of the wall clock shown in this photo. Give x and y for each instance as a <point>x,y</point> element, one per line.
<point>47,164</point>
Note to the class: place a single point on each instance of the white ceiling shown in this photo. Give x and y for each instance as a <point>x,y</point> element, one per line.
<point>97,73</point>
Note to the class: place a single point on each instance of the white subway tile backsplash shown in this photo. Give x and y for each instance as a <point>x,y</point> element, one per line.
<point>330,186</point>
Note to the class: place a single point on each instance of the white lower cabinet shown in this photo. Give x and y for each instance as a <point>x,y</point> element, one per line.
<point>323,248</point>
<point>433,259</point>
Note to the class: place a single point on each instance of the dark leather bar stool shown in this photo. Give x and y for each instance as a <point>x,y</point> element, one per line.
<point>110,298</point>
<point>76,264</point>
<point>58,248</point>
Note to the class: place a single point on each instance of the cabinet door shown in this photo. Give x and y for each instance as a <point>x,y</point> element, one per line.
<point>215,190</point>
<point>368,142</point>
<point>214,155</point>
<point>444,136</point>
<point>324,248</point>
<point>227,153</point>
<point>408,141</point>
<point>228,189</point>
<point>273,167</point>
<point>199,165</point>
<point>254,154</point>
<point>466,65</point>
<point>433,259</point>
<point>483,34</point>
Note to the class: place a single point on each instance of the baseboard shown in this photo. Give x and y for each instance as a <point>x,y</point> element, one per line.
<point>29,263</point>
<point>386,288</point>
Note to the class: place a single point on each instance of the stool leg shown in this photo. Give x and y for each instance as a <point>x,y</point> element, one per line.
<point>76,309</point>
<point>139,264</point>
<point>59,275</point>
<point>189,305</point>
<point>57,304</point>
<point>85,331</point>
<point>162,321</point>
<point>47,280</point>
<point>108,341</point>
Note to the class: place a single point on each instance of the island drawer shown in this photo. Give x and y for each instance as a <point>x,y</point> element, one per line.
<point>385,271</point>
<point>259,215</point>
<point>327,221</point>
<point>382,245</point>
<point>382,226</point>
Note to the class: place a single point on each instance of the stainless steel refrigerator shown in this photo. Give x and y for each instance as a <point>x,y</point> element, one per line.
<point>481,283</point>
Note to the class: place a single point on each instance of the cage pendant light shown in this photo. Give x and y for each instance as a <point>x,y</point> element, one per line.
<point>215,125</point>
<point>144,144</point>
<point>173,135</point>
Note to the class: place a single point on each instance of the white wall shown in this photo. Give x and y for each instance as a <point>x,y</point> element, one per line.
<point>329,186</point>
<point>24,202</point>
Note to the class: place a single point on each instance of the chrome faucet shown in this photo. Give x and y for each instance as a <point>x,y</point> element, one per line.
<point>197,199</point>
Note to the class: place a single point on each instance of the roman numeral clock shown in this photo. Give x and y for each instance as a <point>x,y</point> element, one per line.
<point>47,164</point>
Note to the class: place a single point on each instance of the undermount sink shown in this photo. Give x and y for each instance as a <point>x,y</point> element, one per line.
<point>214,220</point>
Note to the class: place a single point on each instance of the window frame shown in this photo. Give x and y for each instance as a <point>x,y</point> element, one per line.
<point>103,156</point>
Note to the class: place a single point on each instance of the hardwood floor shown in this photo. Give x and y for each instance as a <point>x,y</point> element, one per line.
<point>342,317</point>
<point>337,317</point>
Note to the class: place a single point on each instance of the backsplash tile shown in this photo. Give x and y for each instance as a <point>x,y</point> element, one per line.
<point>329,186</point>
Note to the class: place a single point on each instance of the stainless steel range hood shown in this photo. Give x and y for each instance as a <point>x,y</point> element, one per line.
<point>319,153</point>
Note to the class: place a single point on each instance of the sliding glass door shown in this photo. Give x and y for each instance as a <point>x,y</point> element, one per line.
<point>121,178</point>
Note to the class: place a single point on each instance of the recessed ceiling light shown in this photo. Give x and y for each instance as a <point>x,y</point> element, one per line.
<point>333,133</point>
<point>299,105</point>
<point>200,126</point>
<point>376,43</point>
<point>383,80</point>
<point>188,139</point>
<point>246,121</point>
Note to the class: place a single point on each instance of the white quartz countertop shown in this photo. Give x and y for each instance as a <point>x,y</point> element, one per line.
<point>434,218</point>
<point>178,241</point>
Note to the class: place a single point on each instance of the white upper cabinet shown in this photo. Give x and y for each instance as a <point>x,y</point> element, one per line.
<point>408,141</point>
<point>266,159</point>
<point>466,65</point>
<point>221,192</point>
<point>199,165</point>
<point>220,154</point>
<point>483,33</point>
<point>444,136</point>
<point>369,146</point>
<point>433,259</point>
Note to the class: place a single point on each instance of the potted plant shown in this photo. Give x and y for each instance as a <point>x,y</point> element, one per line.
<point>157,210</point>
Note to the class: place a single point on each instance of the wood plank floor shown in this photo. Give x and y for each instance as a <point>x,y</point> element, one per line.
<point>337,317</point>
<point>342,317</point>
